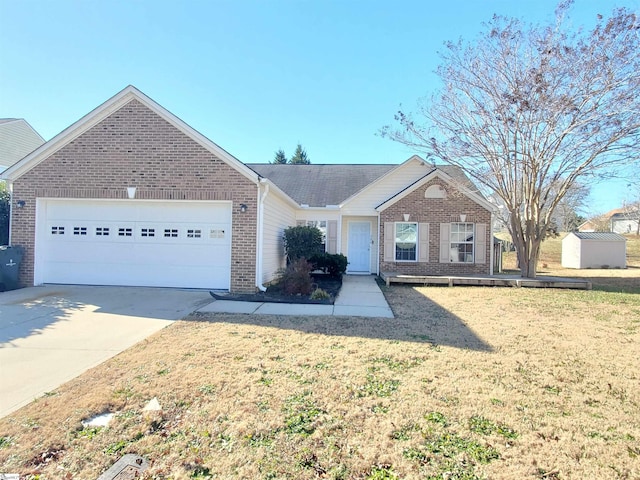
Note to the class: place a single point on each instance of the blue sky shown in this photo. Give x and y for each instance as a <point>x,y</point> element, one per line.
<point>253,76</point>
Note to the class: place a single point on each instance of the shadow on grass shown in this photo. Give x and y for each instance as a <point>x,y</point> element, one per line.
<point>418,319</point>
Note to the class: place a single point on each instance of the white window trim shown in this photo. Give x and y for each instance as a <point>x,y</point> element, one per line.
<point>395,238</point>
<point>472,243</point>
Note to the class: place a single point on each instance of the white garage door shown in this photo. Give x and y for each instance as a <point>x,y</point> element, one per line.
<point>134,242</point>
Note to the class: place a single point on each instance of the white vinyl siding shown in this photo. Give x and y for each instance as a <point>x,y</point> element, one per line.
<point>278,215</point>
<point>370,197</point>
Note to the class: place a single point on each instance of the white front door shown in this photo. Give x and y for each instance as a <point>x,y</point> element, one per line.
<point>359,251</point>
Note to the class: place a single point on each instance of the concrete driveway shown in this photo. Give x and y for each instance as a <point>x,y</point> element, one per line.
<point>51,334</point>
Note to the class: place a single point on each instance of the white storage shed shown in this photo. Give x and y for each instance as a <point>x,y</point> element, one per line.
<point>594,250</point>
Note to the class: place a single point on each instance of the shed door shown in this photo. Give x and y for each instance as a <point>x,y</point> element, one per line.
<point>134,242</point>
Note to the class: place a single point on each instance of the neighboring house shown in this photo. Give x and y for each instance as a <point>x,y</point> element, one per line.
<point>626,221</point>
<point>131,195</point>
<point>594,250</point>
<point>618,220</point>
<point>17,139</point>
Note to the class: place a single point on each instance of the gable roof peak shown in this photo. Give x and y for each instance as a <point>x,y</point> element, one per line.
<point>105,109</point>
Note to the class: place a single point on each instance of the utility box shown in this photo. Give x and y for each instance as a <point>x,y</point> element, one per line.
<point>594,250</point>
<point>10,259</point>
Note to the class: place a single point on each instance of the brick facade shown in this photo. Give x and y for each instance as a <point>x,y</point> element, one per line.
<point>435,211</point>
<point>135,147</point>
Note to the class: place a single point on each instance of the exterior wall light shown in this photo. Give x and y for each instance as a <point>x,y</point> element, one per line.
<point>243,208</point>
<point>21,203</point>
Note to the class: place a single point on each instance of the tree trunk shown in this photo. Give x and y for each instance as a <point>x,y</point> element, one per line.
<point>527,245</point>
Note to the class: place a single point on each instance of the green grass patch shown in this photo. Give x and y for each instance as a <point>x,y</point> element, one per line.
<point>301,413</point>
<point>483,426</point>
<point>378,387</point>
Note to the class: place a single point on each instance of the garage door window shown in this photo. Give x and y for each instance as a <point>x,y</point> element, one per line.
<point>102,231</point>
<point>171,232</point>
<point>79,230</point>
<point>57,230</point>
<point>148,232</point>
<point>194,233</point>
<point>125,232</point>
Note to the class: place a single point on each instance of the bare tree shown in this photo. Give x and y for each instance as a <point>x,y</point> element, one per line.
<point>528,110</point>
<point>566,215</point>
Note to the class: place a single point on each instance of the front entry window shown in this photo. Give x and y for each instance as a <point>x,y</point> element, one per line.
<point>406,241</point>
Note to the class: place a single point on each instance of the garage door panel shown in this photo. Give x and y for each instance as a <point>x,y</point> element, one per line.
<point>180,244</point>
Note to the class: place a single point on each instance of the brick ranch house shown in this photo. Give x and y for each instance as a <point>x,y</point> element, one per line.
<point>132,195</point>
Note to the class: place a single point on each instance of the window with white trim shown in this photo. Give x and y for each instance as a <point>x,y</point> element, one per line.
<point>461,241</point>
<point>406,242</point>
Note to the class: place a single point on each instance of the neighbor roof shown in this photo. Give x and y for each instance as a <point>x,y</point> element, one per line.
<point>322,185</point>
<point>604,236</point>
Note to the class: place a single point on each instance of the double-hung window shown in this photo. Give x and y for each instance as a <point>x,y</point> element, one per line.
<point>406,242</point>
<point>461,242</point>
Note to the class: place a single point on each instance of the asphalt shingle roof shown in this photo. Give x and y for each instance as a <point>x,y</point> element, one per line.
<point>322,185</point>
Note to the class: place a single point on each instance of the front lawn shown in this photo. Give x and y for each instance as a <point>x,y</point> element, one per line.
<point>466,383</point>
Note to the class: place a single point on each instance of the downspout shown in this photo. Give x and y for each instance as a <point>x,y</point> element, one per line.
<point>10,189</point>
<point>378,248</point>
<point>492,246</point>
<point>260,242</point>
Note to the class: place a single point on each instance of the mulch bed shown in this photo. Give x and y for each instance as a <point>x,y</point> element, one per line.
<point>274,293</point>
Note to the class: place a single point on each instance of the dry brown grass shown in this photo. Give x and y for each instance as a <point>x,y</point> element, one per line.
<point>465,383</point>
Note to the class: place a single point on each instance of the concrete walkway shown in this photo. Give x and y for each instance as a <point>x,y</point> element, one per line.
<point>359,296</point>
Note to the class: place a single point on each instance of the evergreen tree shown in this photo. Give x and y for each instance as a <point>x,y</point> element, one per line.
<point>300,157</point>
<point>280,157</point>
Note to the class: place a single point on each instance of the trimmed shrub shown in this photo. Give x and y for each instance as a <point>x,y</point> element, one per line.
<point>333,264</point>
<point>320,294</point>
<point>302,242</point>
